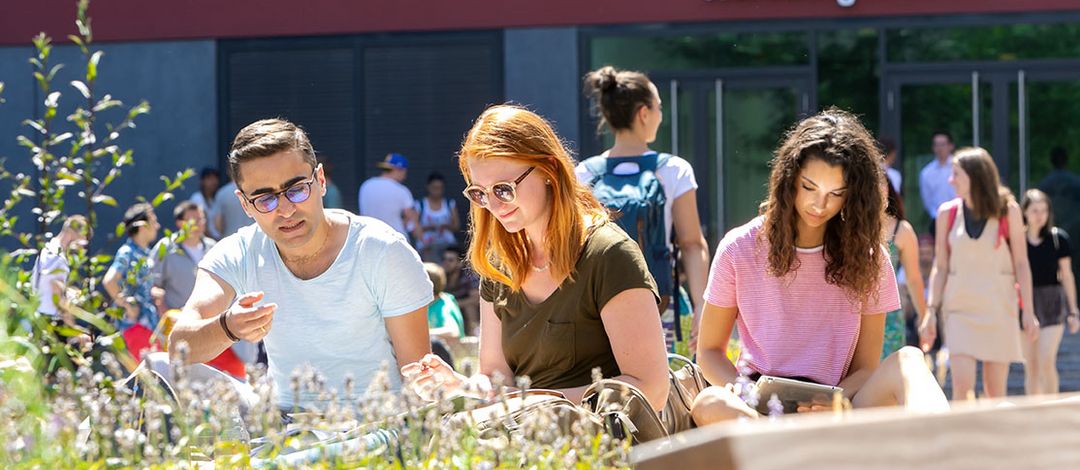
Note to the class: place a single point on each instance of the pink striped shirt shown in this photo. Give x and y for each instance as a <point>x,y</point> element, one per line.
<point>798,325</point>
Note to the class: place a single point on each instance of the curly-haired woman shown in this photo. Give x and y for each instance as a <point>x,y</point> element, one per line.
<point>808,282</point>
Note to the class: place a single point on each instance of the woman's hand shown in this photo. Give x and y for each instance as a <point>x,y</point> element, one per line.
<point>928,331</point>
<point>1031,325</point>
<point>813,406</point>
<point>1074,323</point>
<point>429,375</point>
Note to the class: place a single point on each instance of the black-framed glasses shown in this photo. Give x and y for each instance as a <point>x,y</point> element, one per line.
<point>297,193</point>
<point>504,191</point>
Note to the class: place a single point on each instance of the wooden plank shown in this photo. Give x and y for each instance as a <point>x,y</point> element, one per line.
<point>1024,433</point>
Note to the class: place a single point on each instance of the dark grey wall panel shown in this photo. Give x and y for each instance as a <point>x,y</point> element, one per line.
<point>361,97</point>
<point>312,87</point>
<point>421,99</point>
<point>177,78</point>
<point>542,73</point>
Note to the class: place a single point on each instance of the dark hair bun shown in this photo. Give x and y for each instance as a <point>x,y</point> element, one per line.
<point>603,80</point>
<point>617,95</point>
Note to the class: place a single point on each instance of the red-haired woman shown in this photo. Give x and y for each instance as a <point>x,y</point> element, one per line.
<point>563,289</point>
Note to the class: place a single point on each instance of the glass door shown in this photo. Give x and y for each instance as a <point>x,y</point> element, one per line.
<point>1020,113</point>
<point>916,107</point>
<point>1045,124</point>
<point>727,128</point>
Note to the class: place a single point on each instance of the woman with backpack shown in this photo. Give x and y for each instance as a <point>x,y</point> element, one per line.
<point>1053,291</point>
<point>629,104</point>
<point>564,291</point>
<point>978,263</point>
<point>808,283</point>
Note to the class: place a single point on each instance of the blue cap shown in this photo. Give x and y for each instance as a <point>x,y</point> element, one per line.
<point>393,161</point>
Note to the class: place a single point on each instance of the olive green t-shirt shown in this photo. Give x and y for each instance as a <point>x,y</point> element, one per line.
<point>559,341</point>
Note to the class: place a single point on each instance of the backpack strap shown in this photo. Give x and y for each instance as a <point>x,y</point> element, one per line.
<point>1003,230</point>
<point>954,208</point>
<point>597,166</point>
<point>662,159</point>
<point>1003,222</point>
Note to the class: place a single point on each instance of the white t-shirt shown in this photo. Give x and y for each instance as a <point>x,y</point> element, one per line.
<point>231,210</point>
<point>199,199</point>
<point>895,178</point>
<point>334,322</point>
<point>195,252</point>
<point>676,177</point>
<point>385,199</point>
<point>50,266</point>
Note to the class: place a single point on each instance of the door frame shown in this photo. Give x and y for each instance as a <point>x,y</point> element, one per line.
<point>1000,76</point>
<point>719,81</point>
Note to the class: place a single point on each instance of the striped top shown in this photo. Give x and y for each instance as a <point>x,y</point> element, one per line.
<point>798,325</point>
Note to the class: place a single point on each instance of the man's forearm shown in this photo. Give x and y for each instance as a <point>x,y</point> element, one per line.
<point>204,337</point>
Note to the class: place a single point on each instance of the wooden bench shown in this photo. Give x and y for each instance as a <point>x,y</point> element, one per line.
<point>1038,432</point>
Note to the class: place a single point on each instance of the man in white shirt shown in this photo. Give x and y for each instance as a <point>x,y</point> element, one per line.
<point>51,269</point>
<point>227,213</point>
<point>888,147</point>
<point>934,184</point>
<point>384,197</point>
<point>209,184</point>
<point>344,294</point>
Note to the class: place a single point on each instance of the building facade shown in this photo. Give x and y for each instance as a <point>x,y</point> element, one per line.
<point>367,78</point>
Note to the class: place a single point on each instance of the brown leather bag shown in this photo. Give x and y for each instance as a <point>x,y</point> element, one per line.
<point>520,408</point>
<point>625,411</point>
<point>686,383</point>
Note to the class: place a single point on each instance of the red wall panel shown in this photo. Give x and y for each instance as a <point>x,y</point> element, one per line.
<point>127,20</point>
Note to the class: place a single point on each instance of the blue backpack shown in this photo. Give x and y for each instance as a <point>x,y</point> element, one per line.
<point>637,201</point>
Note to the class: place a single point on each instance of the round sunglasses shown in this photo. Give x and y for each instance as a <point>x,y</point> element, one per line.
<point>297,193</point>
<point>504,191</point>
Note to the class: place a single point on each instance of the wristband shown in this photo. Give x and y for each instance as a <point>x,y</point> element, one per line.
<point>225,327</point>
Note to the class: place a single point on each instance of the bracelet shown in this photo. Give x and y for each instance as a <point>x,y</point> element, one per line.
<point>225,327</point>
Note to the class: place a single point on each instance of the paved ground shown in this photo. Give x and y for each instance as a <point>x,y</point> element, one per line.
<point>1068,368</point>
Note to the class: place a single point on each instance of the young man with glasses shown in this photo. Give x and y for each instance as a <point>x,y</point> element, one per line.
<point>341,293</point>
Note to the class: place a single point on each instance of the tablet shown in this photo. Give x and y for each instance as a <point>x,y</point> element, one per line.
<point>791,392</point>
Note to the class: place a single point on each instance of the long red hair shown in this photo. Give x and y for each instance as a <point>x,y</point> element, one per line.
<point>507,131</point>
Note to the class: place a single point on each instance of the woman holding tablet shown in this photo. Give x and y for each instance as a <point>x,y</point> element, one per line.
<point>808,282</point>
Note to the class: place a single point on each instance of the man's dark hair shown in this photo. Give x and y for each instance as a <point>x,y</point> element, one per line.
<point>209,171</point>
<point>183,208</point>
<point>140,212</point>
<point>887,145</point>
<point>265,138</point>
<point>1059,157</point>
<point>942,132</point>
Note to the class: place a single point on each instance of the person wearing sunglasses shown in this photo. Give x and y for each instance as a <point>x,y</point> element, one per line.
<point>564,291</point>
<point>343,293</point>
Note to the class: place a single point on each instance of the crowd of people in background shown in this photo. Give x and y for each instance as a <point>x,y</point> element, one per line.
<point>1000,289</point>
